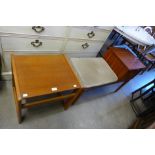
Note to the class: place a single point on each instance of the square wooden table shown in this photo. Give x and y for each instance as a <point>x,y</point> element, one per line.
<point>39,79</point>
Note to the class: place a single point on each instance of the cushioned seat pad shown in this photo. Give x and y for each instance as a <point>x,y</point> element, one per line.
<point>93,71</point>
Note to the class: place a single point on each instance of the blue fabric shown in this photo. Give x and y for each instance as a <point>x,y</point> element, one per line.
<point>127,48</point>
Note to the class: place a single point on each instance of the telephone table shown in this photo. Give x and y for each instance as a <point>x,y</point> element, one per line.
<point>40,79</point>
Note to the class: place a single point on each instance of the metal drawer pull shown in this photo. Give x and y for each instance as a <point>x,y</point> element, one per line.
<point>84,46</point>
<point>91,34</point>
<point>36,43</point>
<point>38,29</point>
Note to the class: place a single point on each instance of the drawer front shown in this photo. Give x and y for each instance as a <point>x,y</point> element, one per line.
<point>110,28</point>
<point>83,33</point>
<point>81,55</point>
<point>25,44</point>
<point>81,46</point>
<point>55,31</point>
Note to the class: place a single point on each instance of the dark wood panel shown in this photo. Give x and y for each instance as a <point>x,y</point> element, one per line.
<point>123,63</point>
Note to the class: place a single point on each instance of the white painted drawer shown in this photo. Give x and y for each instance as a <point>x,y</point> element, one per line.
<point>24,44</point>
<point>82,33</point>
<point>110,28</point>
<point>81,55</point>
<point>55,31</point>
<point>74,46</point>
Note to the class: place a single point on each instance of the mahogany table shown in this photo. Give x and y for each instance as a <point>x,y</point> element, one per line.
<point>40,79</point>
<point>123,63</point>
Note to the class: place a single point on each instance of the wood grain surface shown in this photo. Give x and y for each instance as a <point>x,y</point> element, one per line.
<point>123,63</point>
<point>36,75</point>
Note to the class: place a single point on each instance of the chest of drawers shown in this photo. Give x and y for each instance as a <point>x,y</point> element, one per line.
<point>75,41</point>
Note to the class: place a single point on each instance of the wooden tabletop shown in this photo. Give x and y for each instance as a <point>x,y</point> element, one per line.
<point>36,75</point>
<point>128,59</point>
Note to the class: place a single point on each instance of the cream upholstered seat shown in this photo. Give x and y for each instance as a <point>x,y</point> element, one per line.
<point>93,71</point>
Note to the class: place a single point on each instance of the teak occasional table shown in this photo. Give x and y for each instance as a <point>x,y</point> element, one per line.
<point>40,79</point>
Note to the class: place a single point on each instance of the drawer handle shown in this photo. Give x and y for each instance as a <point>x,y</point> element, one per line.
<point>84,46</point>
<point>36,43</point>
<point>91,34</point>
<point>38,29</point>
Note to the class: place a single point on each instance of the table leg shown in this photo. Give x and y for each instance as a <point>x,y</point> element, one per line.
<point>18,107</point>
<point>19,112</point>
<point>127,80</point>
<point>121,86</point>
<point>72,100</point>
